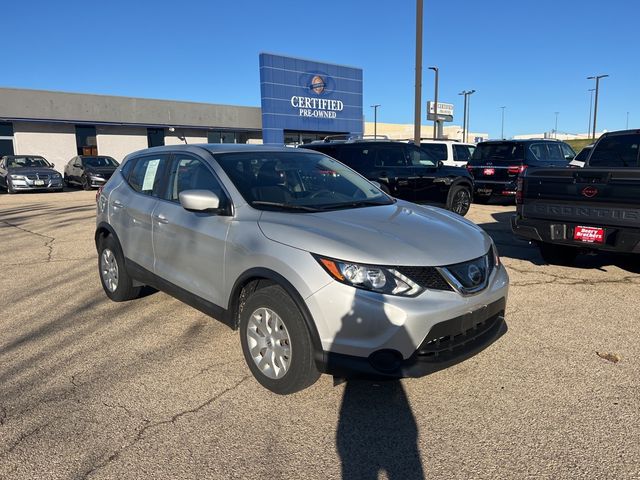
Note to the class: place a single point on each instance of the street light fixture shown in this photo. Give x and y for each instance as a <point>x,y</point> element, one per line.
<point>595,107</point>
<point>465,125</point>
<point>375,119</point>
<point>435,102</point>
<point>502,128</point>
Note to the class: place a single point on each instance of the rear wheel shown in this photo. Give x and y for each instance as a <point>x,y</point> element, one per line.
<point>558,254</point>
<point>276,342</point>
<point>116,282</point>
<point>459,200</point>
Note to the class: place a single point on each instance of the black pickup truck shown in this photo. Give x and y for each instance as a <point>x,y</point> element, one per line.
<point>592,208</point>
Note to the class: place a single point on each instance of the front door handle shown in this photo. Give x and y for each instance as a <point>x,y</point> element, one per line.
<point>117,204</point>
<point>161,219</point>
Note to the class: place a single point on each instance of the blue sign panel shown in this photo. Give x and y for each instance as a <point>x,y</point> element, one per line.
<point>307,96</point>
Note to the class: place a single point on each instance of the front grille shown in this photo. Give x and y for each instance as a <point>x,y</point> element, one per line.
<point>426,277</point>
<point>38,177</point>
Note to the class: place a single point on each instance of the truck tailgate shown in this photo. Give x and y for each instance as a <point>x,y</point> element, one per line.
<point>609,197</point>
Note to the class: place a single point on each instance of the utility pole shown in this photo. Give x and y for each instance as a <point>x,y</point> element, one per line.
<point>465,125</point>
<point>375,119</point>
<point>435,108</point>
<point>502,129</point>
<point>595,107</point>
<point>627,121</point>
<point>590,111</point>
<point>418,95</point>
<point>555,130</point>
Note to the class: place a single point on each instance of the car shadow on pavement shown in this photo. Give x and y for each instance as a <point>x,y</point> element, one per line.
<point>377,431</point>
<point>511,246</point>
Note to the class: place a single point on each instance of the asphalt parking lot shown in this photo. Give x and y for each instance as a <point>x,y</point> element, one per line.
<point>155,389</point>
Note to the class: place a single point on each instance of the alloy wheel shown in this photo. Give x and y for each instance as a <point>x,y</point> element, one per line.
<point>461,202</point>
<point>109,269</point>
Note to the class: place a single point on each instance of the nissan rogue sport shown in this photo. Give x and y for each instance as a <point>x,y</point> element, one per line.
<point>319,269</point>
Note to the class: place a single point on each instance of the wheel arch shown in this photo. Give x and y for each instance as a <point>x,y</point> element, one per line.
<point>256,278</point>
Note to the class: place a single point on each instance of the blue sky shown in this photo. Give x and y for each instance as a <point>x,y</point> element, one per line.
<point>532,57</point>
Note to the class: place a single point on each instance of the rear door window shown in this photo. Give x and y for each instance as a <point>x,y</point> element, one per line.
<point>437,151</point>
<point>616,151</point>
<point>391,156</point>
<point>461,153</point>
<point>147,173</point>
<point>360,158</point>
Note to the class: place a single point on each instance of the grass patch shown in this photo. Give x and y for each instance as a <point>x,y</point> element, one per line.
<point>579,144</point>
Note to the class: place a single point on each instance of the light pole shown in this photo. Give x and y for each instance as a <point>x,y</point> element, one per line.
<point>418,94</point>
<point>595,107</point>
<point>590,111</point>
<point>465,125</point>
<point>435,107</point>
<point>555,130</point>
<point>502,128</point>
<point>627,121</point>
<point>375,119</point>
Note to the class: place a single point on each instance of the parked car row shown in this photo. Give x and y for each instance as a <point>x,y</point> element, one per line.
<point>21,173</point>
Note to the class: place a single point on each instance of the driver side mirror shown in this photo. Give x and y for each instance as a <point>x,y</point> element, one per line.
<point>77,165</point>
<point>440,164</point>
<point>199,200</point>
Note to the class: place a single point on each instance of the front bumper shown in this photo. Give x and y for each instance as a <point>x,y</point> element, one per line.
<point>386,335</point>
<point>28,184</point>
<point>616,239</point>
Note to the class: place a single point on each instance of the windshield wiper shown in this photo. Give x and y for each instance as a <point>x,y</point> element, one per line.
<point>356,204</point>
<point>288,206</point>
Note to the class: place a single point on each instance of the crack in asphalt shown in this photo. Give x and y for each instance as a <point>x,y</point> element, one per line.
<point>141,433</point>
<point>25,436</point>
<point>3,415</point>
<point>48,244</point>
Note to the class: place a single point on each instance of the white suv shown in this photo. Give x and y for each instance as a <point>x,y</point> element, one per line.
<point>451,153</point>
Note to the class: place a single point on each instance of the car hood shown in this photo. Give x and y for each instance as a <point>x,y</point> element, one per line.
<point>32,171</point>
<point>399,234</point>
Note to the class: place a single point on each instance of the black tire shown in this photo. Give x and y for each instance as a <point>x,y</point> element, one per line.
<point>459,200</point>
<point>481,199</point>
<point>66,181</point>
<point>302,371</point>
<point>124,286</point>
<point>86,184</point>
<point>558,254</point>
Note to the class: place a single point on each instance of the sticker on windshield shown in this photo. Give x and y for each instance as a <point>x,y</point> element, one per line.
<point>150,175</point>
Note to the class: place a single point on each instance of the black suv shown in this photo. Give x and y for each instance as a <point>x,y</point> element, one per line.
<point>495,165</point>
<point>404,171</point>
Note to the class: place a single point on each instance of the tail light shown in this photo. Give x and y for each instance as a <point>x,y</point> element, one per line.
<point>516,169</point>
<point>519,192</point>
<point>99,192</point>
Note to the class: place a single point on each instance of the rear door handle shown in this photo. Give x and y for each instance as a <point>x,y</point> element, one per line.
<point>161,218</point>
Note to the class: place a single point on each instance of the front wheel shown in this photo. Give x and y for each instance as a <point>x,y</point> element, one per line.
<point>558,254</point>
<point>86,184</point>
<point>10,189</point>
<point>276,343</point>
<point>116,282</point>
<point>459,200</point>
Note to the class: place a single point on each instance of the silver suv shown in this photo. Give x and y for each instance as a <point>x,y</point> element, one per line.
<point>318,268</point>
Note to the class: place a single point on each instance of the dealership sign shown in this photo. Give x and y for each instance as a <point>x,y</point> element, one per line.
<point>307,96</point>
<point>445,111</point>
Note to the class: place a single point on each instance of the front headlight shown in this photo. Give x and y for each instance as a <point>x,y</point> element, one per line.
<point>56,176</point>
<point>18,177</point>
<point>95,175</point>
<point>370,277</point>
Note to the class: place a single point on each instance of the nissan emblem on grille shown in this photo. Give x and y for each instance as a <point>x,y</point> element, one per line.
<point>474,274</point>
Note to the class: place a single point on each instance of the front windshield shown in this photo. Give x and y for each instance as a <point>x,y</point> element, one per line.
<point>99,162</point>
<point>298,181</point>
<point>27,162</point>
